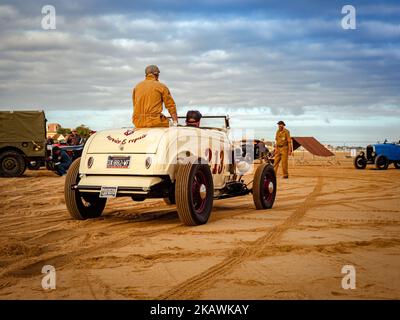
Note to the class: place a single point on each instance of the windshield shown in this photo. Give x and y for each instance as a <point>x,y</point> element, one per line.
<point>219,122</point>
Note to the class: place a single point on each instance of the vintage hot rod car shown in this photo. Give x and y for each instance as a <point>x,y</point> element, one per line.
<point>186,166</point>
<point>381,155</point>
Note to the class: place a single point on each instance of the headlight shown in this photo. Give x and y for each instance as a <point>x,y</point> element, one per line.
<point>148,162</point>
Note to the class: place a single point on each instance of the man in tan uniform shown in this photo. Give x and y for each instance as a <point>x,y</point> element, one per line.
<point>283,149</point>
<point>148,98</point>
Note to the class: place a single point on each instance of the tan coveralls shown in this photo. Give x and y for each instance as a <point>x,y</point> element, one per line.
<point>283,145</point>
<point>148,97</point>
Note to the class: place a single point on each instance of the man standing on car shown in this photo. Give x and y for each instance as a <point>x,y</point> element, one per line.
<point>148,98</point>
<point>283,149</point>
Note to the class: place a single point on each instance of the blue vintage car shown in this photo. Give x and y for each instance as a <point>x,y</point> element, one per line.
<point>381,155</point>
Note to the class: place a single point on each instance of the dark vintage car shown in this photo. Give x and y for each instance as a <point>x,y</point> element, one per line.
<point>381,155</point>
<point>250,151</point>
<point>74,152</point>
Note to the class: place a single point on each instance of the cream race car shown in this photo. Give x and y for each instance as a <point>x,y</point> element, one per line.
<point>186,166</point>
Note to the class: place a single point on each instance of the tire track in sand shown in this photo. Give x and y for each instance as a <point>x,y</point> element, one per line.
<point>192,287</point>
<point>32,265</point>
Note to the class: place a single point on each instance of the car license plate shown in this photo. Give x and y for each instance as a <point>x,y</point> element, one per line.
<point>118,162</point>
<point>108,192</point>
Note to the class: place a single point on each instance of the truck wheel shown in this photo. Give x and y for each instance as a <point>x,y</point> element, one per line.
<point>81,206</point>
<point>12,164</point>
<point>397,164</point>
<point>264,187</point>
<point>381,162</point>
<point>194,191</point>
<point>360,162</point>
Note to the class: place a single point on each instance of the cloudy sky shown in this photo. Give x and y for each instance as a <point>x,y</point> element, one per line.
<point>258,61</point>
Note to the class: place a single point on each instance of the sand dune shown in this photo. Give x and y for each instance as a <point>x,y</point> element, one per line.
<point>324,217</point>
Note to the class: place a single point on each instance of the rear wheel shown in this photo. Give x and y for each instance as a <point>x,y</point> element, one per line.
<point>194,191</point>
<point>360,162</point>
<point>397,164</point>
<point>81,206</point>
<point>381,162</point>
<point>12,164</point>
<point>264,187</point>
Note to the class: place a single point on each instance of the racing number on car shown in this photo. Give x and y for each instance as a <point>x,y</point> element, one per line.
<point>208,154</point>
<point>221,164</point>
<point>218,167</point>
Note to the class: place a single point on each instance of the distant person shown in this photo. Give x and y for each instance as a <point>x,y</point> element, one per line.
<point>193,118</point>
<point>74,138</point>
<point>61,160</point>
<point>148,98</point>
<point>283,149</point>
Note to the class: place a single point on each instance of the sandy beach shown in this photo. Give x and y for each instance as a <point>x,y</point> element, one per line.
<point>324,217</point>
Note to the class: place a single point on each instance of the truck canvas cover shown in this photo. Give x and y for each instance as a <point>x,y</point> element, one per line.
<point>18,126</point>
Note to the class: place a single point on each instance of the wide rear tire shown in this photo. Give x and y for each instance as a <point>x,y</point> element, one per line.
<point>264,186</point>
<point>194,191</point>
<point>12,164</point>
<point>81,206</point>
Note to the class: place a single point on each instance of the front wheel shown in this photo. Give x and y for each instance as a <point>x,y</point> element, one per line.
<point>194,191</point>
<point>360,162</point>
<point>12,164</point>
<point>81,206</point>
<point>381,162</point>
<point>264,187</point>
<point>397,164</point>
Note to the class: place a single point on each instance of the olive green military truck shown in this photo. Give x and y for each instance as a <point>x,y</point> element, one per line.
<point>22,141</point>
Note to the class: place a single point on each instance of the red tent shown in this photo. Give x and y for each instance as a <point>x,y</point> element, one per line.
<point>312,145</point>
